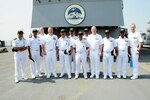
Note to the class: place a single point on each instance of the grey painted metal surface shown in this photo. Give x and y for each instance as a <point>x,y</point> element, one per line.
<point>97,12</point>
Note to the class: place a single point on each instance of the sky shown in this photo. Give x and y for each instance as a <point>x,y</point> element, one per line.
<point>16,15</point>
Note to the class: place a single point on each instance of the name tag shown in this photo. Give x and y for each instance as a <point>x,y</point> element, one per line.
<point>54,38</point>
<point>96,38</point>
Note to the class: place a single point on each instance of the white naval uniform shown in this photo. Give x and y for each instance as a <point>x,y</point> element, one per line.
<point>135,39</point>
<point>34,44</point>
<point>42,37</point>
<point>95,41</point>
<point>63,44</point>
<point>42,58</point>
<point>109,45</point>
<point>72,56</point>
<point>86,37</point>
<point>50,57</point>
<point>19,57</point>
<point>122,58</point>
<point>81,56</point>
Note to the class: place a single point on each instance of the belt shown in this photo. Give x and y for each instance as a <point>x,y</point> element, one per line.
<point>94,49</point>
<point>19,51</point>
<point>61,50</point>
<point>80,52</point>
<point>107,52</point>
<point>34,50</point>
<point>50,49</point>
<point>122,50</point>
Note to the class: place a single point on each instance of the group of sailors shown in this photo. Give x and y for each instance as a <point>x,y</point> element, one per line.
<point>81,53</point>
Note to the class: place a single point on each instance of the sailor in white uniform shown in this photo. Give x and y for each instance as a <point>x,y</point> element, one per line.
<point>85,37</point>
<point>124,45</point>
<point>19,46</point>
<point>80,46</point>
<point>42,36</point>
<point>136,42</point>
<point>95,51</point>
<point>108,58</point>
<point>49,49</point>
<point>64,48</point>
<point>72,38</point>
<point>35,51</point>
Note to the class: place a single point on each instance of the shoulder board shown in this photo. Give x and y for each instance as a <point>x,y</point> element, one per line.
<point>15,38</point>
<point>84,39</point>
<point>112,38</point>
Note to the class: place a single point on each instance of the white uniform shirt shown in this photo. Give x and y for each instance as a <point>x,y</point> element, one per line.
<point>50,42</point>
<point>34,43</point>
<point>123,43</point>
<point>19,43</point>
<point>63,43</point>
<point>85,37</point>
<point>81,45</point>
<point>94,41</point>
<point>109,44</point>
<point>42,37</point>
<point>135,39</point>
<point>72,39</point>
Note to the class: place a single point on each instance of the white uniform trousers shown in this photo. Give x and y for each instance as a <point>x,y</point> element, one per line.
<point>19,59</point>
<point>95,62</point>
<point>64,60</point>
<point>122,63</point>
<point>88,64</point>
<point>72,60</point>
<point>81,58</point>
<point>50,58</point>
<point>135,58</point>
<point>42,64</point>
<point>107,64</point>
<point>35,66</point>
